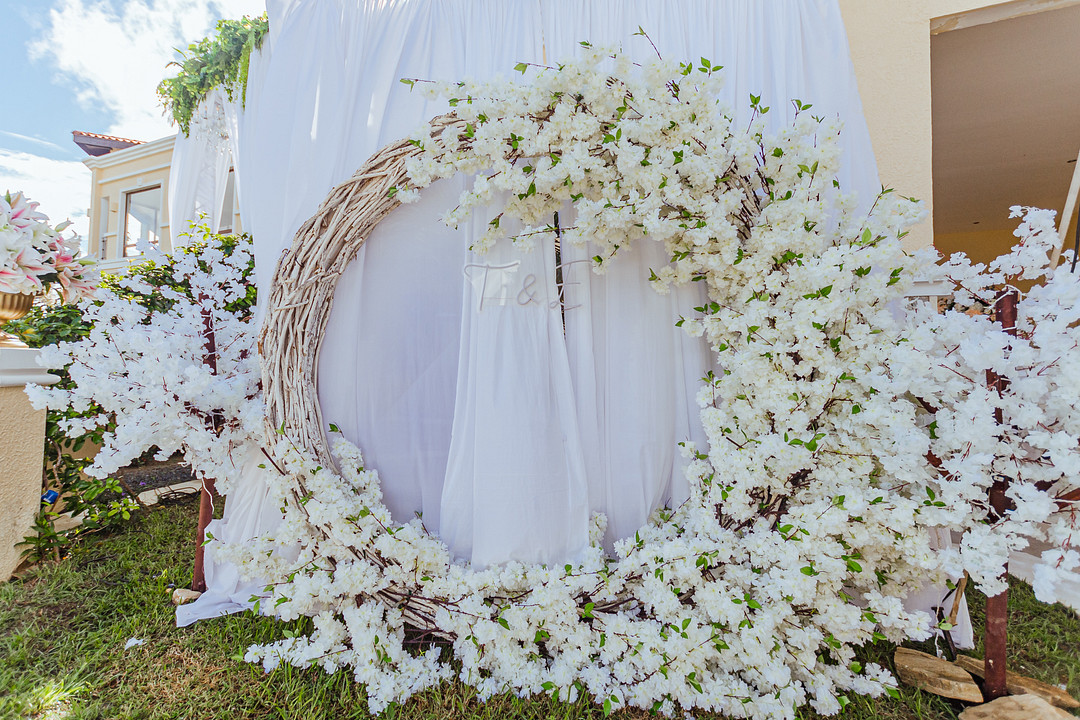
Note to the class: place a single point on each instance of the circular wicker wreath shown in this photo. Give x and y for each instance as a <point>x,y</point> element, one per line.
<point>301,298</point>
<point>303,286</point>
<point>552,638</point>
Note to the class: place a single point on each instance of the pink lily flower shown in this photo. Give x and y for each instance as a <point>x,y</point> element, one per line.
<point>23,212</point>
<point>14,280</point>
<point>30,261</point>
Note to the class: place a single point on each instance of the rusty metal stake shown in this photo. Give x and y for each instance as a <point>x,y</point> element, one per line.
<point>206,513</point>
<point>997,626</point>
<point>997,607</point>
<point>206,505</point>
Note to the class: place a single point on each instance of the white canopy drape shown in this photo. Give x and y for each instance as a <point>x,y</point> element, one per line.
<point>199,174</point>
<point>464,411</point>
<point>504,423</point>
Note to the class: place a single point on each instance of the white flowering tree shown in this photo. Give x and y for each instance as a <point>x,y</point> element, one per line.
<point>842,427</point>
<point>144,362</point>
<point>1024,432</point>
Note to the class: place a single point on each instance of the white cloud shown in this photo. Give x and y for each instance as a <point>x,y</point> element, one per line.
<point>61,186</point>
<point>116,59</point>
<point>114,54</point>
<point>33,140</point>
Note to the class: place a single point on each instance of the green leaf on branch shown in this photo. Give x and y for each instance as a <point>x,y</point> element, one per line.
<point>822,293</point>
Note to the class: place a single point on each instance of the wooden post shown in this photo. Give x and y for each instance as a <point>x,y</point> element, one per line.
<point>206,512</point>
<point>206,505</point>
<point>997,607</point>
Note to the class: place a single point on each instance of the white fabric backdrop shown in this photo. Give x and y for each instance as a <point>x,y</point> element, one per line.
<point>199,174</point>
<point>478,412</point>
<point>403,334</point>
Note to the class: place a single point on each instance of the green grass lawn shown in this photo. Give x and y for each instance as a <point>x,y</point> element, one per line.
<point>63,628</point>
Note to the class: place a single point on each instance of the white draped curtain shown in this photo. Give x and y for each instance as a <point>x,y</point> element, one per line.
<point>199,174</point>
<point>504,423</point>
<point>501,425</point>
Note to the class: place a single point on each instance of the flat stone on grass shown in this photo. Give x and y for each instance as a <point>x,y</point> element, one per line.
<point>182,596</point>
<point>1021,685</point>
<point>935,675</point>
<point>1016,707</point>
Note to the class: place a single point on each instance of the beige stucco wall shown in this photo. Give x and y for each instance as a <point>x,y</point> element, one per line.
<point>985,245</point>
<point>122,172</point>
<point>890,48</point>
<point>980,245</point>
<point>22,432</point>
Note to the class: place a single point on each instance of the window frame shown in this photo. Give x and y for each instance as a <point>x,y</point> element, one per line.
<point>128,249</point>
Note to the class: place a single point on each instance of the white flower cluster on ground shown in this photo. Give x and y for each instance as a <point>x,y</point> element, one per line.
<point>34,256</point>
<point>842,428</point>
<point>144,364</point>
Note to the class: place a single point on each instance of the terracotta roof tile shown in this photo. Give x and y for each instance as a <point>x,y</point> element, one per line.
<point>97,145</point>
<point>107,137</point>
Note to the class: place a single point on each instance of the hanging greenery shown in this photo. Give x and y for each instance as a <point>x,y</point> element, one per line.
<point>220,60</point>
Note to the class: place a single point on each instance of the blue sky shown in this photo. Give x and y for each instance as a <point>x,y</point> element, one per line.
<point>87,65</point>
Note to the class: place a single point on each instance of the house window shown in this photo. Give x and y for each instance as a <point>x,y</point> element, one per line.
<point>142,219</point>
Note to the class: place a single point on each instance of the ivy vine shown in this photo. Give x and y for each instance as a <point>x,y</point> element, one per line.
<point>220,60</point>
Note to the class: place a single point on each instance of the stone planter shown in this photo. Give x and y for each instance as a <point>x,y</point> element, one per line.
<point>22,437</point>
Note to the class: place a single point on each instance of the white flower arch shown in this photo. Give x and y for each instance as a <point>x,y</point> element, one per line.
<point>838,433</point>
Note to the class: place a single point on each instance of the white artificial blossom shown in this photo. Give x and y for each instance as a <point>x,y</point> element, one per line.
<point>843,426</point>
<point>144,363</point>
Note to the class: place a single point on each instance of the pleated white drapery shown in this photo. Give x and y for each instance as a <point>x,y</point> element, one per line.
<point>501,416</point>
<point>199,173</point>
<point>500,430</point>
